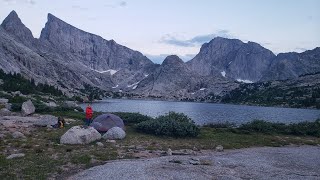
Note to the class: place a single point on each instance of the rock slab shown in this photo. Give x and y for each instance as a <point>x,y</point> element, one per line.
<point>80,135</point>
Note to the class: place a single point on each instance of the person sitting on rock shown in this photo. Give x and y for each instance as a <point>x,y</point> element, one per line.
<point>89,113</point>
<point>60,124</point>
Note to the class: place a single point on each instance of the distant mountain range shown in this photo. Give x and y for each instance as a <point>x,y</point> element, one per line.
<point>69,58</point>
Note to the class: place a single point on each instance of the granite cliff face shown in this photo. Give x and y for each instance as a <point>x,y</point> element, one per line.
<point>67,57</point>
<point>292,65</point>
<point>232,58</point>
<point>89,49</point>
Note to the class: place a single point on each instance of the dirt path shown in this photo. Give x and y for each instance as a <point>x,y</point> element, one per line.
<point>253,163</point>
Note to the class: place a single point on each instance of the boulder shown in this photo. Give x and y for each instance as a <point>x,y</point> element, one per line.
<point>4,112</point>
<point>195,161</point>
<point>46,120</point>
<point>15,156</point>
<point>51,104</point>
<point>219,148</point>
<point>9,106</point>
<point>70,104</point>
<point>27,108</point>
<point>3,101</point>
<point>110,141</point>
<point>18,135</point>
<point>114,133</point>
<point>80,135</point>
<point>100,144</point>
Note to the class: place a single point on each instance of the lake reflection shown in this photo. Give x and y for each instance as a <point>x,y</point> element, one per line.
<point>203,113</point>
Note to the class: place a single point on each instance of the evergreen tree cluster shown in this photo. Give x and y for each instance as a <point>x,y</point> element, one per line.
<point>16,82</point>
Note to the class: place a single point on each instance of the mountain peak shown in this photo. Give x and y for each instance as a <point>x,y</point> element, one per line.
<point>13,25</point>
<point>172,60</point>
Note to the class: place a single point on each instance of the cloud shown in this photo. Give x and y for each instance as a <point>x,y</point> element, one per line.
<point>32,2</point>
<point>79,7</point>
<point>119,4</point>
<point>123,4</point>
<point>158,59</point>
<point>195,41</point>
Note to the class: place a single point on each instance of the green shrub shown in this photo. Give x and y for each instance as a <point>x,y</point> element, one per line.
<point>17,99</point>
<point>302,128</point>
<point>16,107</point>
<point>220,125</point>
<point>263,127</point>
<point>172,124</point>
<point>132,118</point>
<point>306,128</point>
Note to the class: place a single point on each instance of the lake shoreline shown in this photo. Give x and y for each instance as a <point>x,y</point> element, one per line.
<point>206,113</point>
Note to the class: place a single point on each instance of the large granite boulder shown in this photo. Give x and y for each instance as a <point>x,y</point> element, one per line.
<point>27,108</point>
<point>80,135</point>
<point>114,133</point>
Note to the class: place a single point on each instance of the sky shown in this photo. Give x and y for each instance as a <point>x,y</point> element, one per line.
<point>158,28</point>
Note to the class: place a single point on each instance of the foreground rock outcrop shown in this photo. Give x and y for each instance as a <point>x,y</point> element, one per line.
<point>252,163</point>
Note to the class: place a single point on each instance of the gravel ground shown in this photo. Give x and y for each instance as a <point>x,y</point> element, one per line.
<point>253,163</point>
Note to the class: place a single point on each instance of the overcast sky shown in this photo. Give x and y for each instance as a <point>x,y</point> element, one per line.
<point>161,27</point>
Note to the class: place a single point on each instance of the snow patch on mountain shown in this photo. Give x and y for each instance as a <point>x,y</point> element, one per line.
<point>223,73</point>
<point>134,85</point>
<point>111,71</point>
<point>244,81</point>
<point>202,89</point>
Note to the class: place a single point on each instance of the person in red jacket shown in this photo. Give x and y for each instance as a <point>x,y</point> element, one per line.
<point>89,113</point>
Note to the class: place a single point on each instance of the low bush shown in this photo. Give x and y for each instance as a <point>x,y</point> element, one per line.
<point>15,107</point>
<point>172,124</point>
<point>220,125</point>
<point>17,99</point>
<point>302,128</point>
<point>132,118</point>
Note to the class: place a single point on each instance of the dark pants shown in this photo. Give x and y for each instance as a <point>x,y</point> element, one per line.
<point>88,121</point>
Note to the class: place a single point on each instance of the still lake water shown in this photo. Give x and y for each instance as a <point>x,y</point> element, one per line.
<point>203,113</point>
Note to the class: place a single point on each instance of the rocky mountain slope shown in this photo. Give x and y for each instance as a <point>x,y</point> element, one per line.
<point>232,58</point>
<point>174,79</point>
<point>67,57</point>
<point>71,59</point>
<point>292,65</point>
<point>303,91</point>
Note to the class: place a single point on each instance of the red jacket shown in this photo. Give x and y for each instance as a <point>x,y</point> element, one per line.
<point>89,112</point>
